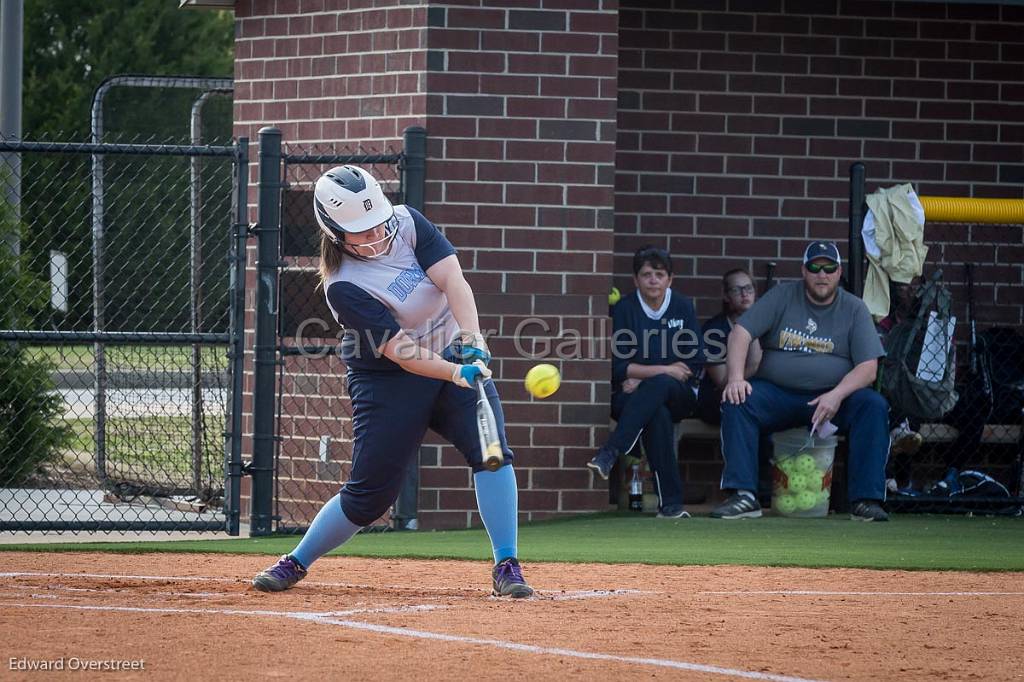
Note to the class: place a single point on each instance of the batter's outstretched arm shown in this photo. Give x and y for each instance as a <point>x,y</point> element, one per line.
<point>414,358</point>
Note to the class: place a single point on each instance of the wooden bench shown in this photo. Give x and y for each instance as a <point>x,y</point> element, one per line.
<point>1002,434</point>
<point>932,433</point>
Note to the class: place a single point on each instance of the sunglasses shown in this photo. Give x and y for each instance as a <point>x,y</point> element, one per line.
<point>815,268</point>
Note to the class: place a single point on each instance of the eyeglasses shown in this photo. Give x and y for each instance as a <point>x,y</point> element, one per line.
<point>815,268</point>
<point>746,289</point>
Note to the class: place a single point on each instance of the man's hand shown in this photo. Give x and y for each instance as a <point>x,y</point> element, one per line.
<point>827,404</point>
<point>736,392</point>
<point>678,371</point>
<point>629,385</point>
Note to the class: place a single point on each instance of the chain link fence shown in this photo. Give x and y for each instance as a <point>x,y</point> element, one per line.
<point>954,371</point>
<point>116,318</point>
<point>969,458</point>
<point>314,417</point>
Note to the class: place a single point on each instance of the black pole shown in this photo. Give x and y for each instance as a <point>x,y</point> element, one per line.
<point>268,232</point>
<point>855,269</point>
<point>414,167</point>
<point>240,233</point>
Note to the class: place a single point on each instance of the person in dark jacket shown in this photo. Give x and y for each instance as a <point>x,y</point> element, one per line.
<point>657,355</point>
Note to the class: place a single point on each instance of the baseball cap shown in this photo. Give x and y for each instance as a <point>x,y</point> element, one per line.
<point>826,250</point>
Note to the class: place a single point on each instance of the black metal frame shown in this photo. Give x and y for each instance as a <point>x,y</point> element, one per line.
<point>269,350</point>
<point>855,283</point>
<point>234,339</point>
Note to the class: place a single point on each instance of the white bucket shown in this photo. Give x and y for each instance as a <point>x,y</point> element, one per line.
<point>802,474</point>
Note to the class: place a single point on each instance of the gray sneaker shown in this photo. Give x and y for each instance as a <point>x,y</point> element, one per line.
<point>508,580</point>
<point>279,577</point>
<point>867,510</point>
<point>737,507</point>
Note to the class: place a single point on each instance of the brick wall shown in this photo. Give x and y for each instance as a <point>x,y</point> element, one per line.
<point>738,122</point>
<point>521,123</point>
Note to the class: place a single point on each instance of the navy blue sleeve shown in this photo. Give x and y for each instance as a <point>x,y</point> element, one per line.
<point>715,335</point>
<point>693,353</point>
<point>431,245</point>
<point>363,315</point>
<point>623,343</point>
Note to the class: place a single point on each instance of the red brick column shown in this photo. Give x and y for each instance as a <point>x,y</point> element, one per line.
<point>521,118</point>
<point>520,109</point>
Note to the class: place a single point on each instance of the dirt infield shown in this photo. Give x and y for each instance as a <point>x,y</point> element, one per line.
<point>195,616</point>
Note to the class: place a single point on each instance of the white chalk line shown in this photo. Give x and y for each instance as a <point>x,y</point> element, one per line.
<point>594,594</point>
<point>557,595</point>
<point>829,593</point>
<point>328,619</point>
<point>110,590</point>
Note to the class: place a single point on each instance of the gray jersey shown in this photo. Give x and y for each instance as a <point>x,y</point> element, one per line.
<point>373,299</point>
<point>810,347</point>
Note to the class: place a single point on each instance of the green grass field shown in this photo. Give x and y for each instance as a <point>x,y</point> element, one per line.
<point>151,444</point>
<point>910,542</point>
<point>162,358</point>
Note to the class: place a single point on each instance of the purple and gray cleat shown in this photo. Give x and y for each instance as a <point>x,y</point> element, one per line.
<point>279,577</point>
<point>508,580</point>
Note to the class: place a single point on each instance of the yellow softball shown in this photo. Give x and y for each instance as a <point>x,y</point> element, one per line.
<point>542,380</point>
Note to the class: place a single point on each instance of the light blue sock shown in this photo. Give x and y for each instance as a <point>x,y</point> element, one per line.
<point>497,498</point>
<point>330,529</point>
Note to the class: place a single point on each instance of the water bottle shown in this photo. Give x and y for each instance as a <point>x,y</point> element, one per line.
<point>636,490</point>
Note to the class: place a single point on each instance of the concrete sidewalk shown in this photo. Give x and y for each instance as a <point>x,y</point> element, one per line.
<point>54,537</point>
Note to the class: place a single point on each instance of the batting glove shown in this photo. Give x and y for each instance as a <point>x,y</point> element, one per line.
<point>474,348</point>
<point>466,375</point>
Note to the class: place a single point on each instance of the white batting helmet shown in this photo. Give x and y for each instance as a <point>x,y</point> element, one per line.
<point>348,199</point>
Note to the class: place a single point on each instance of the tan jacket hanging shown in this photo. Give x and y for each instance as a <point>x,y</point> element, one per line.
<point>893,234</point>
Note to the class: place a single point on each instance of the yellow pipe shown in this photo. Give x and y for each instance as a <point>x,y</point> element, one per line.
<point>964,210</point>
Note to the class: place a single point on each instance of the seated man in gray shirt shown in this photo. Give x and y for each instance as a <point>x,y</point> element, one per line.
<point>820,355</point>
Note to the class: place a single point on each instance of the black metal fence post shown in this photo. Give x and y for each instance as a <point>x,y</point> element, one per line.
<point>240,233</point>
<point>414,166</point>
<point>855,253</point>
<point>268,234</point>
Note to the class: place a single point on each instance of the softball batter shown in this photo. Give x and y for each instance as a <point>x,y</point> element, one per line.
<point>413,347</point>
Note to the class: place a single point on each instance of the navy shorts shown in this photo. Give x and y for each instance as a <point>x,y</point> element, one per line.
<point>391,412</point>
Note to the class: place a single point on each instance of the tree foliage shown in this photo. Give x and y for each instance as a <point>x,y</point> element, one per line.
<point>30,433</point>
<point>71,46</point>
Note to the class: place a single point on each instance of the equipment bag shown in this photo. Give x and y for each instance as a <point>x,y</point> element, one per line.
<point>925,392</point>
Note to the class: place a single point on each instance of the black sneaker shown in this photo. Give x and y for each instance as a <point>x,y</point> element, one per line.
<point>603,461</point>
<point>673,511</point>
<point>737,507</point>
<point>867,510</point>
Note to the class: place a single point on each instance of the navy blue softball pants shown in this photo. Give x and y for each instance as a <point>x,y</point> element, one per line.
<point>649,412</point>
<point>391,412</point>
<point>863,418</point>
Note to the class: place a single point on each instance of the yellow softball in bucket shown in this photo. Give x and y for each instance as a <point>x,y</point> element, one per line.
<point>542,380</point>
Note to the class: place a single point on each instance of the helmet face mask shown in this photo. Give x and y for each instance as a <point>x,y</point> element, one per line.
<point>375,248</point>
<point>348,200</point>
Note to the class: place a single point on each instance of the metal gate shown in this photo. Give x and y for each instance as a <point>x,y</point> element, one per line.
<point>121,313</point>
<point>299,386</point>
